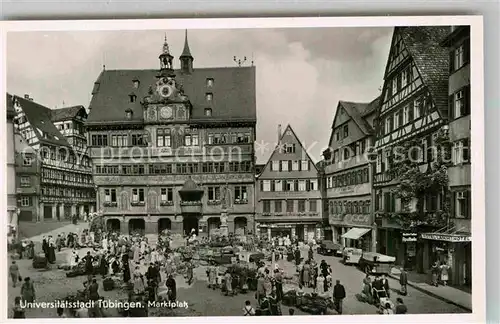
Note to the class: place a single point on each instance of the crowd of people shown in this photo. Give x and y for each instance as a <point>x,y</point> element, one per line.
<point>149,272</point>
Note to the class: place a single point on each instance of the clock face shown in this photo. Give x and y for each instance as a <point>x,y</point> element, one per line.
<point>166,112</point>
<point>165,91</point>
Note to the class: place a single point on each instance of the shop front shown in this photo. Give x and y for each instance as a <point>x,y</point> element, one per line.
<point>409,240</point>
<point>357,237</point>
<point>303,232</point>
<point>455,250</point>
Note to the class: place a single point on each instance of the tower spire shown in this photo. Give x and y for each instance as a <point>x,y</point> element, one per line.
<point>166,65</point>
<point>186,58</point>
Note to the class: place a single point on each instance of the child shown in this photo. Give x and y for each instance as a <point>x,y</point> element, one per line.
<point>248,310</point>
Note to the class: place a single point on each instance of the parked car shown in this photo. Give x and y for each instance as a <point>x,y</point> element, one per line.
<point>376,263</point>
<point>329,248</point>
<point>351,255</point>
<point>250,257</point>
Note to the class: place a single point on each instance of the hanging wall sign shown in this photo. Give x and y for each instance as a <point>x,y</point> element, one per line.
<point>409,237</point>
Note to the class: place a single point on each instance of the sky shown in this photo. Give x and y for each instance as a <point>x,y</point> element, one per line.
<point>302,73</point>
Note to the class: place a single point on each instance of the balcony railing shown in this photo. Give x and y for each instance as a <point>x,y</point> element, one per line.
<point>191,207</point>
<point>166,203</point>
<point>241,201</point>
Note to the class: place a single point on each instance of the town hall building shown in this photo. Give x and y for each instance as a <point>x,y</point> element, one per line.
<point>172,149</point>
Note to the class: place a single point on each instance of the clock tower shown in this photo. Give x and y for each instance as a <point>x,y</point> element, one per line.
<point>166,101</point>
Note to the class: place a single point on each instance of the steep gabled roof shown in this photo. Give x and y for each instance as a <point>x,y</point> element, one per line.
<point>233,92</point>
<point>39,118</point>
<point>66,113</point>
<point>431,59</point>
<point>277,147</point>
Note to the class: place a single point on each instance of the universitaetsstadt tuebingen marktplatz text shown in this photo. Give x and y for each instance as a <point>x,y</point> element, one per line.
<point>150,201</point>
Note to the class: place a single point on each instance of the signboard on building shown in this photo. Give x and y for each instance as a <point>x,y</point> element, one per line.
<point>454,238</point>
<point>409,237</point>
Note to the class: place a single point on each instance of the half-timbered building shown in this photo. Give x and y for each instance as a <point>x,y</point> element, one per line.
<point>288,193</point>
<point>53,178</point>
<point>413,105</point>
<point>348,174</point>
<point>172,149</point>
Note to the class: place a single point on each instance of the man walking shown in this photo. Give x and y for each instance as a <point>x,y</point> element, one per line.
<point>14,273</point>
<point>338,296</point>
<point>403,281</point>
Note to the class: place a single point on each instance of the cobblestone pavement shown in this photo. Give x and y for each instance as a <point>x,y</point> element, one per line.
<point>53,284</point>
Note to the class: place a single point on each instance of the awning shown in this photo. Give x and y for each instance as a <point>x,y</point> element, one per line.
<point>355,233</point>
<point>448,234</point>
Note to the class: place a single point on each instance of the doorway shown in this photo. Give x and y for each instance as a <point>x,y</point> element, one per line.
<point>136,226</point>
<point>240,226</point>
<point>299,232</point>
<point>47,212</point>
<point>164,224</point>
<point>189,223</point>
<point>113,225</point>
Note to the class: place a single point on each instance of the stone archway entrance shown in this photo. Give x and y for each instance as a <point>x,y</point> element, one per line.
<point>164,224</point>
<point>113,225</point>
<point>240,225</point>
<point>213,225</point>
<point>188,223</point>
<point>136,225</point>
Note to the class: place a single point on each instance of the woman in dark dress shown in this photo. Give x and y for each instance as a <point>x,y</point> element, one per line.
<point>172,288</point>
<point>126,268</point>
<point>103,266</point>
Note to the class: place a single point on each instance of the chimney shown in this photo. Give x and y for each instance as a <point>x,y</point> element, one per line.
<point>279,133</point>
<point>26,96</point>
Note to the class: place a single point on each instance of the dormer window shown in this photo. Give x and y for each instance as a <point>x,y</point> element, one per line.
<point>210,82</point>
<point>208,112</point>
<point>132,97</point>
<point>136,83</point>
<point>209,96</point>
<point>129,113</point>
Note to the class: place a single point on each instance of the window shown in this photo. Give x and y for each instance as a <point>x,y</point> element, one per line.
<point>417,108</point>
<point>305,165</point>
<point>133,98</point>
<point>138,140</point>
<point>138,195</point>
<point>404,78</point>
<point>267,206</point>
<point>302,206</point>
<point>313,184</point>
<point>208,112</point>
<point>240,194</point>
<point>163,137</point>
<point>462,204</point>
<point>289,185</point>
<point>289,206</point>
<point>209,96</point>
<point>394,86</point>
<point>460,104</point>
<point>388,125</point>
<point>396,122</point>
<point>110,195</point>
<point>295,165</point>
<point>406,114</point>
<point>337,135</point>
<point>167,195</point>
<point>138,169</point>
<point>99,140</point>
<point>347,153</point>
<point>459,58</point>
<point>275,165</point>
<point>313,206</point>
<point>27,160</point>
<point>278,206</point>
<point>460,153</point>
<point>346,131</point>
<point>267,185</point>
<point>210,82</point>
<point>284,165</point>
<point>278,185</point>
<point>290,148</point>
<point>25,181</point>
<point>302,185</point>
<point>25,201</point>
<point>335,157</point>
<point>213,193</point>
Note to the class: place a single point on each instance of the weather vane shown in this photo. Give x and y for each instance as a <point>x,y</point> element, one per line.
<point>239,61</point>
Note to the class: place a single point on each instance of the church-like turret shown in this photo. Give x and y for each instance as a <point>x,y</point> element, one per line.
<point>186,58</point>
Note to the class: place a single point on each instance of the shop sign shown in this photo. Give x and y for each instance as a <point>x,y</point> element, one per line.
<point>409,237</point>
<point>446,238</point>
